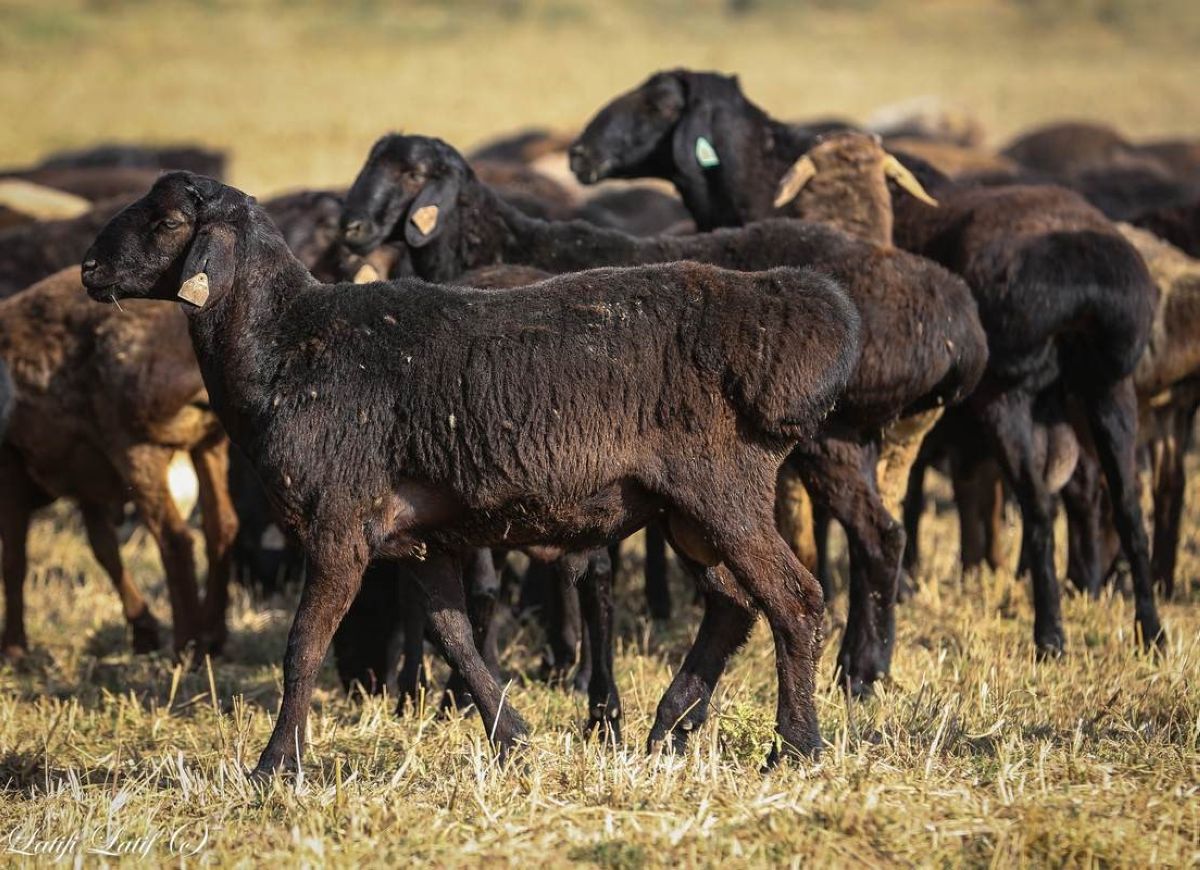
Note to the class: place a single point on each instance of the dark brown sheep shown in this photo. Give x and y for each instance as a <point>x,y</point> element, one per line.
<point>1067,304</point>
<point>566,414</point>
<point>102,402</point>
<point>923,347</point>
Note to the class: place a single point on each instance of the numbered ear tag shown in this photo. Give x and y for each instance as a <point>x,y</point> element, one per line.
<point>194,290</point>
<point>706,154</point>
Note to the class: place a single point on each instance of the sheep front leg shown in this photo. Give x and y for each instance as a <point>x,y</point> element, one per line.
<point>16,508</point>
<point>441,577</point>
<point>724,629</point>
<point>596,601</point>
<point>335,574</point>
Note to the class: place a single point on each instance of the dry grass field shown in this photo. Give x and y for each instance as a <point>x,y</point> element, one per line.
<point>971,754</point>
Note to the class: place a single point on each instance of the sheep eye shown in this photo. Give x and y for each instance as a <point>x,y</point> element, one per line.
<point>168,223</point>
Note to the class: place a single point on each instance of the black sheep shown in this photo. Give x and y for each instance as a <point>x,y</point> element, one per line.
<point>421,191</point>
<point>413,420</point>
<point>1067,304</point>
<point>1064,263</point>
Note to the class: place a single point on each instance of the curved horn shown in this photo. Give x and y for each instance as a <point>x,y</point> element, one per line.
<point>799,174</point>
<point>896,170</point>
<point>40,202</point>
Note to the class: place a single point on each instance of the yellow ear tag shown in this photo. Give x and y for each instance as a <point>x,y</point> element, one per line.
<point>194,290</point>
<point>366,274</point>
<point>425,219</point>
<point>706,154</point>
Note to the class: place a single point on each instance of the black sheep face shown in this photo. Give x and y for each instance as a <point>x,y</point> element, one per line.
<point>406,192</point>
<point>632,132</point>
<point>160,245</point>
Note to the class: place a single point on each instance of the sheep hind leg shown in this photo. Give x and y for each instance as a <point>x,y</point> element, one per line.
<point>335,574</point>
<point>220,523</point>
<point>1008,420</point>
<point>1169,488</point>
<point>841,475</point>
<point>596,603</point>
<point>147,474</point>
<point>102,538</point>
<point>902,442</point>
<point>658,590</point>
<point>725,627</point>
<point>483,588</point>
<point>440,576</point>
<point>1112,416</point>
<point>1082,498</point>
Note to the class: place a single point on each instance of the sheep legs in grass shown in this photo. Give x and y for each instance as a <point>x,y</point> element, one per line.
<point>1172,438</point>
<point>1112,416</point>
<point>146,471</point>
<point>741,534</point>
<point>440,577</point>
<point>1008,419</point>
<point>333,580</point>
<point>483,588</point>
<point>17,493</point>
<point>658,591</point>
<point>728,619</point>
<point>220,524</point>
<point>1083,499</point>
<point>596,603</point>
<point>840,474</point>
<point>102,538</point>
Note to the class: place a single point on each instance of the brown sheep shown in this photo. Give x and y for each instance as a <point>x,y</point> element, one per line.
<point>103,399</point>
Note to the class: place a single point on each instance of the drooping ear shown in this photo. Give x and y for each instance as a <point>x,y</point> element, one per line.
<point>693,147</point>
<point>429,211</point>
<point>209,266</point>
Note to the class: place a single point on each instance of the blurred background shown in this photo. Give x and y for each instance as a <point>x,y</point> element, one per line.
<point>297,90</point>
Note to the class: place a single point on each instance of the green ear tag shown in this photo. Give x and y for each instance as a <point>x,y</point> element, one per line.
<point>706,154</point>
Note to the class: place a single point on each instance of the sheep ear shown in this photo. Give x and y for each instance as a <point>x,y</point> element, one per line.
<point>901,174</point>
<point>210,265</point>
<point>694,148</point>
<point>799,174</point>
<point>428,212</point>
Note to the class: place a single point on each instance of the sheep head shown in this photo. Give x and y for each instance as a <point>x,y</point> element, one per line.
<point>672,125</point>
<point>843,180</point>
<point>406,191</point>
<point>176,242</point>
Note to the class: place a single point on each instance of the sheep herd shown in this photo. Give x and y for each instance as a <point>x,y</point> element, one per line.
<point>767,326</point>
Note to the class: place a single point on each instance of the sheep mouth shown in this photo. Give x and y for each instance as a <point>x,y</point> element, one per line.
<point>106,293</point>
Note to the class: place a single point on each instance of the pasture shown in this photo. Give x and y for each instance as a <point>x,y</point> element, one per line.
<point>970,753</point>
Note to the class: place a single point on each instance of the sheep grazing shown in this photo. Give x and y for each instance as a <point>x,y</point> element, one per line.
<point>412,420</point>
<point>100,404</point>
<point>1067,304</point>
<point>422,192</point>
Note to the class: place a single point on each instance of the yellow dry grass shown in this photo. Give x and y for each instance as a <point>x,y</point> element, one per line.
<point>972,754</point>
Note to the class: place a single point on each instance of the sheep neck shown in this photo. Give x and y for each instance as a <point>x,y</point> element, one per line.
<point>235,335</point>
<point>487,230</point>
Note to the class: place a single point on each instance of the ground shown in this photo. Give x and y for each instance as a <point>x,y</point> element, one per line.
<point>972,753</point>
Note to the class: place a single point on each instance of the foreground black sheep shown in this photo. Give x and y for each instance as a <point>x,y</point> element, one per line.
<point>413,420</point>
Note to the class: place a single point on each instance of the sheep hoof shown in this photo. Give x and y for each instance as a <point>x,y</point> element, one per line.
<point>1050,645</point>
<point>1153,638</point>
<point>144,629</point>
<point>605,724</point>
